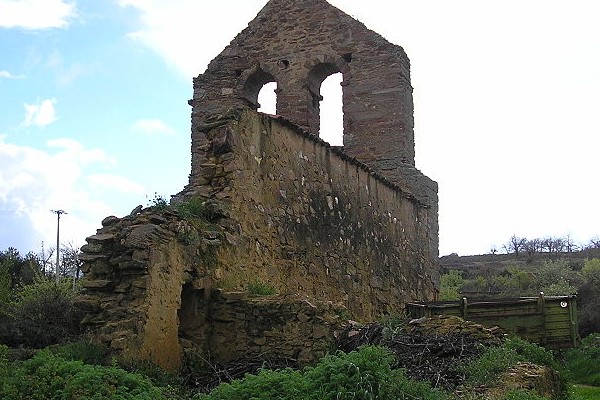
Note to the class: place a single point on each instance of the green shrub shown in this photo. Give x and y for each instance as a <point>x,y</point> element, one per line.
<point>47,376</point>
<point>531,352</point>
<point>194,207</point>
<point>582,362</point>
<point>281,385</point>
<point>489,365</point>
<point>262,288</point>
<point>364,374</point>
<point>89,353</point>
<point>585,393</point>
<point>450,285</point>
<point>42,314</point>
<point>158,203</point>
<point>360,373</point>
<point>496,360</point>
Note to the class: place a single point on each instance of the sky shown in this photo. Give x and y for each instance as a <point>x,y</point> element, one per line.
<point>94,117</point>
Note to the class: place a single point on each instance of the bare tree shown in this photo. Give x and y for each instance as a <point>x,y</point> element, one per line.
<point>46,257</point>
<point>594,243</point>
<point>553,246</point>
<point>70,265</point>
<point>532,247</point>
<point>570,244</point>
<point>515,245</point>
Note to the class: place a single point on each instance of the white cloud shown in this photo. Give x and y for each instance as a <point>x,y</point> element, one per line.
<point>153,126</point>
<point>7,75</point>
<point>36,14</point>
<point>172,29</point>
<point>114,182</point>
<point>41,114</point>
<point>34,181</point>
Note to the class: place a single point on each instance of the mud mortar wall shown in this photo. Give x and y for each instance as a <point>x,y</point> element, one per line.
<point>134,270</point>
<point>149,295</point>
<point>311,220</point>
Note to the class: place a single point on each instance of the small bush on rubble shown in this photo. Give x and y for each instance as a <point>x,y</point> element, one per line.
<point>496,360</point>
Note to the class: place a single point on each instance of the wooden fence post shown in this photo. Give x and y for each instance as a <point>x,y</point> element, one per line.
<point>463,308</point>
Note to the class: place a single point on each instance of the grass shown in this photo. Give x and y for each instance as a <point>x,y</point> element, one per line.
<point>262,288</point>
<point>582,362</point>
<point>583,392</point>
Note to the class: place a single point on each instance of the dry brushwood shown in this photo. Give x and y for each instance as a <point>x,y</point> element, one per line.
<point>211,375</point>
<point>428,349</point>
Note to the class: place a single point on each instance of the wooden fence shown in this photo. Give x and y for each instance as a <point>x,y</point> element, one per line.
<point>547,320</point>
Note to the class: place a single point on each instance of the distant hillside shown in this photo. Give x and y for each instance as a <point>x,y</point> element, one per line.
<point>497,263</point>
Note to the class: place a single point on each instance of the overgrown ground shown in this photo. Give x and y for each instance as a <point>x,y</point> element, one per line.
<point>429,360</point>
<point>44,355</point>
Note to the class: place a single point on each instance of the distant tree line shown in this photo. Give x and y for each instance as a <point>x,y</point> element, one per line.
<point>555,247</point>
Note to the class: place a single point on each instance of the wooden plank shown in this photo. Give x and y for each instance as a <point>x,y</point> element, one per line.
<point>541,319</point>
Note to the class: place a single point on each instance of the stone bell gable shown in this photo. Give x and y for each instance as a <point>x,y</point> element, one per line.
<point>299,43</point>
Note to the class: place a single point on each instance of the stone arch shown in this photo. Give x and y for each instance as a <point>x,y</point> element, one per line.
<point>254,79</point>
<point>318,72</point>
<point>331,110</point>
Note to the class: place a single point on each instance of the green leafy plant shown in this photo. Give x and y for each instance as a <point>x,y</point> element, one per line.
<point>262,288</point>
<point>194,207</point>
<point>364,374</point>
<point>494,361</point>
<point>490,364</point>
<point>158,202</point>
<point>42,313</point>
<point>450,285</point>
<point>584,393</point>
<point>82,350</point>
<point>48,376</point>
<point>522,394</point>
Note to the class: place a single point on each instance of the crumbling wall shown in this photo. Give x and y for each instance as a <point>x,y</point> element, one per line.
<point>148,293</point>
<point>134,270</point>
<point>282,208</point>
<point>294,327</point>
<point>356,226</point>
<point>312,220</point>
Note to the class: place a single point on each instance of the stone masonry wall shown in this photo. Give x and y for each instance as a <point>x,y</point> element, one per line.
<point>134,270</point>
<point>280,207</point>
<point>356,227</point>
<point>299,43</point>
<point>148,295</point>
<point>310,219</point>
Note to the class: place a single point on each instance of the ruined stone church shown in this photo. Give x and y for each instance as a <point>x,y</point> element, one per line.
<point>336,232</point>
